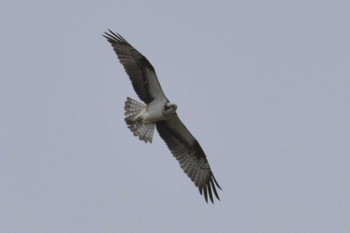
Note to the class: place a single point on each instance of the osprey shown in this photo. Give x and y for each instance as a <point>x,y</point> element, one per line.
<point>160,113</point>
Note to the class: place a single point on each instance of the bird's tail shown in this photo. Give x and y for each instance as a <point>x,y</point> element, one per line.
<point>143,131</point>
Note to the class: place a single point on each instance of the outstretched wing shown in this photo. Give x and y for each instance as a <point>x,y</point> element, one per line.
<point>141,72</point>
<point>190,155</point>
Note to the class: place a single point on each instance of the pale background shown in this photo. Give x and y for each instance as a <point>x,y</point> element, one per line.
<point>263,85</point>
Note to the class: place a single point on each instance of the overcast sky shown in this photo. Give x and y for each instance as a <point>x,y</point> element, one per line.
<point>263,85</point>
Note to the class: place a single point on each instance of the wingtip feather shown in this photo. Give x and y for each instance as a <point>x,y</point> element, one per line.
<point>208,189</point>
<point>114,37</point>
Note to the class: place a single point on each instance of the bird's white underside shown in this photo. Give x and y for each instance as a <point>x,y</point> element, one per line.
<point>153,112</point>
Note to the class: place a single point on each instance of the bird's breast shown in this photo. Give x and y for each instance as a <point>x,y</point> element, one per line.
<point>154,112</point>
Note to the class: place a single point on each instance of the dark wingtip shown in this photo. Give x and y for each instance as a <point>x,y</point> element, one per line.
<point>217,184</point>
<point>114,37</point>
<point>214,189</point>
<point>208,190</point>
<point>205,194</point>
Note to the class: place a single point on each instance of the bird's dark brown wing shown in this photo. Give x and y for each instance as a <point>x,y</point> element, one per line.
<point>190,155</point>
<point>139,69</point>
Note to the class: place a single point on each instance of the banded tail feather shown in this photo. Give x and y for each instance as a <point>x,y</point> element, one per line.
<point>141,130</point>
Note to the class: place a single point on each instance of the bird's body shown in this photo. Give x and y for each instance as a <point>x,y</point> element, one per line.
<point>158,112</point>
<point>155,111</point>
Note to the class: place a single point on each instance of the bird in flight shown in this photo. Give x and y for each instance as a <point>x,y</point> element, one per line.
<point>158,112</point>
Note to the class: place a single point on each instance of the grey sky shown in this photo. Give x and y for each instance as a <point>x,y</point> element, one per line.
<point>263,85</point>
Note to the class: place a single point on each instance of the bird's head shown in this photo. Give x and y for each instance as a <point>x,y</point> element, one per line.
<point>169,109</point>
